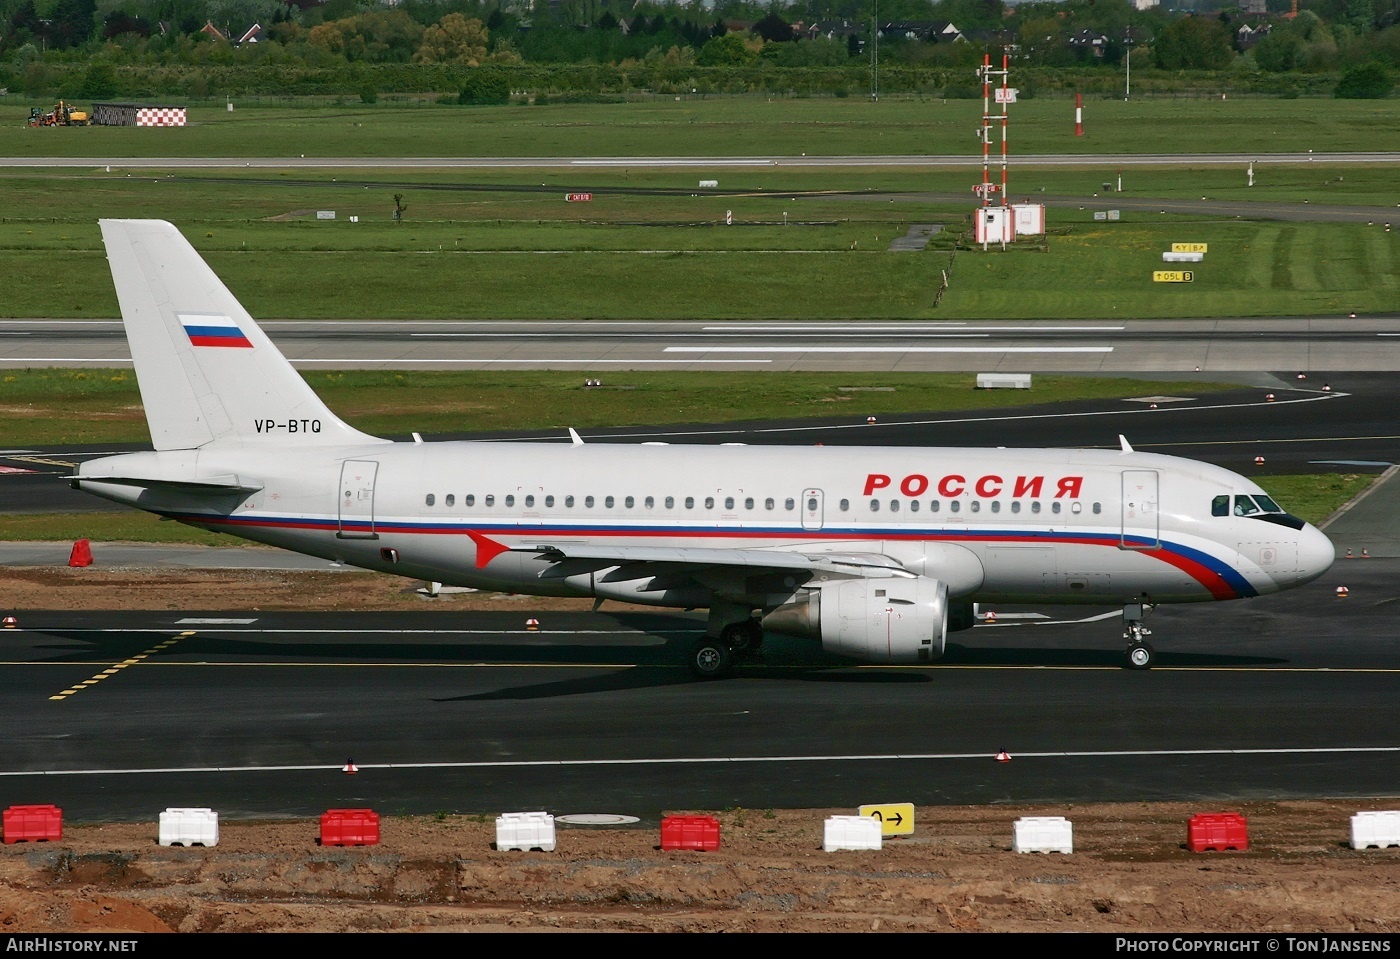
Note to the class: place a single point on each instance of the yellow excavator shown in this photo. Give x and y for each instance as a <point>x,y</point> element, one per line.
<point>62,115</point>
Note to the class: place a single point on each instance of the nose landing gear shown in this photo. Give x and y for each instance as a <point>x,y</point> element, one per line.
<point>1140,653</point>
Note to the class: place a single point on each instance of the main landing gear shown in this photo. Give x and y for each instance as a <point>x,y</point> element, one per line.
<point>1141,655</point>
<point>714,657</point>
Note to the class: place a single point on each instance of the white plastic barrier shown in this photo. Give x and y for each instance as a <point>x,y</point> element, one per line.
<point>525,830</point>
<point>1003,381</point>
<point>189,827</point>
<point>1183,257</point>
<point>851,832</point>
<point>1378,829</point>
<point>1043,834</point>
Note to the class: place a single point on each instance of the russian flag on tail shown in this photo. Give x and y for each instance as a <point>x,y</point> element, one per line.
<point>206,329</point>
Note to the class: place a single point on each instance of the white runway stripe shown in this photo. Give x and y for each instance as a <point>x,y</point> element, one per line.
<point>718,760</point>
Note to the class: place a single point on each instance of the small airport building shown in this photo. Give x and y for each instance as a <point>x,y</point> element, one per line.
<point>137,115</point>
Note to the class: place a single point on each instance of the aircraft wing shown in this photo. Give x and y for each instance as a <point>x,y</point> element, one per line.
<point>651,560</point>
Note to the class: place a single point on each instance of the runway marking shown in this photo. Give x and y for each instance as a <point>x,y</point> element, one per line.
<point>214,621</point>
<point>889,349</point>
<point>911,328</point>
<point>985,757</point>
<point>118,667</point>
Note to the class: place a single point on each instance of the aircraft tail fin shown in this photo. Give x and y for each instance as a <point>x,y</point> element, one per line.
<point>206,371</point>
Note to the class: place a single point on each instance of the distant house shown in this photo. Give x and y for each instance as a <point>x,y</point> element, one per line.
<point>1250,34</point>
<point>833,29</point>
<point>1090,40</point>
<point>252,35</point>
<point>212,32</point>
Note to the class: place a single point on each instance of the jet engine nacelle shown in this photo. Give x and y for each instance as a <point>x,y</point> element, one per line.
<point>877,620</point>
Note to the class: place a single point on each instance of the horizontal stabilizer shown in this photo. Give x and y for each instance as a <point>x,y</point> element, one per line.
<point>221,486</point>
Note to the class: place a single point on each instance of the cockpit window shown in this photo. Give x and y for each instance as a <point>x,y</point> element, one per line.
<point>1244,506</point>
<point>1220,506</point>
<point>1267,503</point>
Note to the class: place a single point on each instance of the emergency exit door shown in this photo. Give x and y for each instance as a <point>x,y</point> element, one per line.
<point>357,499</point>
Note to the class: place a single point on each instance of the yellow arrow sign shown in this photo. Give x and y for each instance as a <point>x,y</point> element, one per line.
<point>896,819</point>
<point>1172,276</point>
<point>1190,247</point>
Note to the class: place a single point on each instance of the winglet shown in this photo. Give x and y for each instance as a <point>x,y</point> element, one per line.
<point>1123,441</point>
<point>573,435</point>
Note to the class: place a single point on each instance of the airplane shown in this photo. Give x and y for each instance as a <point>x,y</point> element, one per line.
<point>876,553</point>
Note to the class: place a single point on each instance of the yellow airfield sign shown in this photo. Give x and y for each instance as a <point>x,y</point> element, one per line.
<point>896,819</point>
<point>1190,247</point>
<point>1172,276</point>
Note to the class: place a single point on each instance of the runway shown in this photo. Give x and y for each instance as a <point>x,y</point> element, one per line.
<point>115,715</point>
<point>931,161</point>
<point>120,715</point>
<point>1099,346</point>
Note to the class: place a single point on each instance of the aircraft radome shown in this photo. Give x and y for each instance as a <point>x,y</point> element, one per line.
<point>877,553</point>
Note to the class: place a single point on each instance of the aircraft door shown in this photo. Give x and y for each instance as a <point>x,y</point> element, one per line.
<point>812,509</point>
<point>357,499</point>
<point>1140,504</point>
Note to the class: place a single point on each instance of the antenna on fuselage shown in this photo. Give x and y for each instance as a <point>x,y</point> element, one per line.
<point>573,435</point>
<point>1123,442</point>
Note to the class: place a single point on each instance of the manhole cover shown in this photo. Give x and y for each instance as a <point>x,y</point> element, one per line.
<point>597,819</point>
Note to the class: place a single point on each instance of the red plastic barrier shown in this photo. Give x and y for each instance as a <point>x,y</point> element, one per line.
<point>81,554</point>
<point>1217,831</point>
<point>690,832</point>
<point>349,827</point>
<point>33,824</point>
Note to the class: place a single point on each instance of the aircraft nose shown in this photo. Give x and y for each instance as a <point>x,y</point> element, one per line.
<point>1315,554</point>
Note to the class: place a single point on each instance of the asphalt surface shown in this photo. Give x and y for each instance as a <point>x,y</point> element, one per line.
<point>1216,346</point>
<point>1284,696</point>
<point>1281,696</point>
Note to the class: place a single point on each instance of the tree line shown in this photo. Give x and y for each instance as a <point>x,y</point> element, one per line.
<point>196,48</point>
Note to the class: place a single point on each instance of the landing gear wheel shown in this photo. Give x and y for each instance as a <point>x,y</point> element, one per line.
<point>743,638</point>
<point>711,659</point>
<point>1141,656</point>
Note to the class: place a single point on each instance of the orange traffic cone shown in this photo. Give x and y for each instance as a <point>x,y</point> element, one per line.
<point>1003,757</point>
<point>532,624</point>
<point>11,622</point>
<point>870,421</point>
<point>350,767</point>
<point>989,617</point>
<point>81,554</point>
<point>1341,592</point>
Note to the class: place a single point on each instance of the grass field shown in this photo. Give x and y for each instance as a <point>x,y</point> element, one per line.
<point>56,407</point>
<point>507,245</point>
<point>731,126</point>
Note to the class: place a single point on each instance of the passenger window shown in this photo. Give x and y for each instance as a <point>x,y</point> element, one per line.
<point>690,502</point>
<point>748,502</point>
<point>628,502</point>
<point>709,502</point>
<point>1076,508</point>
<point>1015,506</point>
<point>670,502</point>
<point>1035,507</point>
<point>729,502</point>
<point>549,501</point>
<point>845,505</point>
<point>874,506</point>
<point>569,501</point>
<point>449,500</point>
<point>510,499</point>
<point>430,499</point>
<point>894,506</point>
<point>976,506</point>
<point>954,506</point>
<point>1055,506</point>
<point>768,503</point>
<point>490,499</point>
<point>1220,506</point>
<point>933,506</point>
<point>1098,508</point>
<point>588,502</point>
<point>996,506</point>
<point>789,505</point>
<point>530,500</point>
<point>913,506</point>
<point>608,502</point>
<point>469,499</point>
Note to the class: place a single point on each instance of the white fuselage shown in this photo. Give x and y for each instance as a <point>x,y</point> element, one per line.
<point>1007,525</point>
